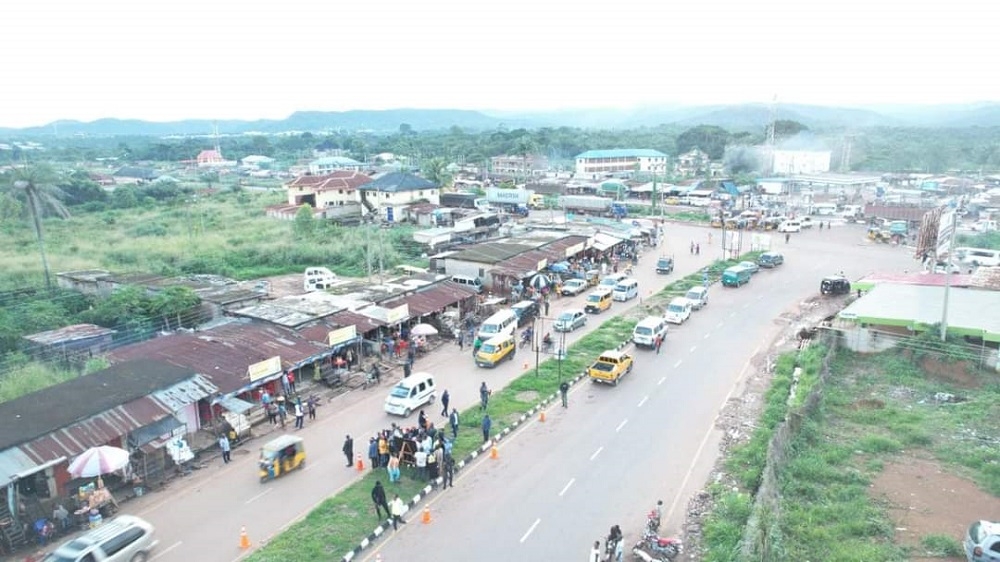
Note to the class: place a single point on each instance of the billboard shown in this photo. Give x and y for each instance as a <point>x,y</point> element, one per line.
<point>945,233</point>
<point>265,368</point>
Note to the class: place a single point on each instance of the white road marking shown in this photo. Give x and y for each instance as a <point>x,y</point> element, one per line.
<point>166,550</point>
<point>661,381</point>
<point>621,425</point>
<point>643,401</point>
<point>719,325</point>
<point>566,487</point>
<point>678,363</point>
<point>693,347</point>
<point>708,334</point>
<point>258,496</point>
<point>745,305</point>
<point>530,529</point>
<point>597,452</point>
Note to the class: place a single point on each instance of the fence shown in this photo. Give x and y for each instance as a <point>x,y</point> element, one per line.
<point>762,535</point>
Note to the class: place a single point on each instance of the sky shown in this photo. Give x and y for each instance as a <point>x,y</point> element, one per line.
<point>164,60</point>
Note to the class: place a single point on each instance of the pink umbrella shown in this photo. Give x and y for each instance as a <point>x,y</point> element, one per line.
<point>97,461</point>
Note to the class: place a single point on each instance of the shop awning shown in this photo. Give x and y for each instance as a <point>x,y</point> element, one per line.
<point>602,241</point>
<point>234,404</point>
<point>153,431</point>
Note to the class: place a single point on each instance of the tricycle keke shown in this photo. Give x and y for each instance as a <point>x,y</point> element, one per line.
<point>281,455</point>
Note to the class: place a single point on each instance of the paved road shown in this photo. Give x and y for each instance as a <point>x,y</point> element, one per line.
<point>559,485</point>
<point>199,517</point>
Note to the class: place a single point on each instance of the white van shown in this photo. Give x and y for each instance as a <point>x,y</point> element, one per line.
<point>626,289</point>
<point>698,296</point>
<point>678,311</point>
<point>646,331</point>
<point>502,323</point>
<point>978,257</point>
<point>468,281</point>
<point>411,393</point>
<point>790,226</point>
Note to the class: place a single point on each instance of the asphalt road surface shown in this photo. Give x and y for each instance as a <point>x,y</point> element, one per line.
<point>559,485</point>
<point>199,517</point>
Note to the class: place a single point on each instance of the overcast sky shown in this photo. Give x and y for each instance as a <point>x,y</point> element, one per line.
<point>164,60</point>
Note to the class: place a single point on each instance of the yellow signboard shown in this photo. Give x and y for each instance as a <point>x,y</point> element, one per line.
<point>266,368</point>
<point>398,314</point>
<point>340,335</point>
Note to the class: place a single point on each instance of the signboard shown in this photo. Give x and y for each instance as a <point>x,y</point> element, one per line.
<point>387,315</point>
<point>340,335</point>
<point>945,233</point>
<point>265,368</point>
<point>575,249</point>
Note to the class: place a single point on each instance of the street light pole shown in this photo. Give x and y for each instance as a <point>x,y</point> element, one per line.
<point>947,278</point>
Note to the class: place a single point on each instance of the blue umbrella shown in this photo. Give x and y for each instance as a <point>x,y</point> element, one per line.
<point>539,282</point>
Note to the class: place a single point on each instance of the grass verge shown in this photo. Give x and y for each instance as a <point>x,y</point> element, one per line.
<point>874,408</point>
<point>339,523</point>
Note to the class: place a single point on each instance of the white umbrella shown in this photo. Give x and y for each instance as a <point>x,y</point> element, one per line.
<point>540,281</point>
<point>424,330</point>
<point>97,461</point>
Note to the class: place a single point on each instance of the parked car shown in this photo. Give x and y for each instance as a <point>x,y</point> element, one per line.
<point>698,295</point>
<point>982,542</point>
<point>678,311</point>
<point>125,538</point>
<point>749,265</point>
<point>835,285</point>
<point>570,320</point>
<point>770,259</point>
<point>573,287</point>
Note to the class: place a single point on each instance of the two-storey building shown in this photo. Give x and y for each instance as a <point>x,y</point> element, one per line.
<point>595,164</point>
<point>389,194</point>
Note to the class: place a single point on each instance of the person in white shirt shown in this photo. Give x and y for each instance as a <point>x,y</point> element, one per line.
<point>420,459</point>
<point>397,507</point>
<point>595,553</point>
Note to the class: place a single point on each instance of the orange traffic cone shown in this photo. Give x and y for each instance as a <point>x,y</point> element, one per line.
<point>244,539</point>
<point>360,464</point>
<point>493,451</point>
<point>541,415</point>
<point>427,515</point>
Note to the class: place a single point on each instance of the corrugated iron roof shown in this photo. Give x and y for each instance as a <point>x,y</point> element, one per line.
<point>68,334</point>
<point>362,322</point>
<point>223,353</point>
<point>186,392</point>
<point>59,406</point>
<point>433,299</point>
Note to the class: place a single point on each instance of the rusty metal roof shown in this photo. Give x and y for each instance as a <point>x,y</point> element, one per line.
<point>68,334</point>
<point>363,323</point>
<point>433,299</point>
<point>527,263</point>
<point>101,403</point>
<point>223,353</point>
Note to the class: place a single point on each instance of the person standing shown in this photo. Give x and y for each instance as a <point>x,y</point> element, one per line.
<point>453,420</point>
<point>272,413</point>
<point>224,445</point>
<point>787,237</point>
<point>282,411</point>
<point>546,306</point>
<point>291,381</point>
<point>300,415</point>
<point>461,340</point>
<point>445,398</point>
<point>422,420</point>
<point>348,450</point>
<point>373,452</point>
<point>398,507</point>
<point>487,424</point>
<point>484,396</point>
<point>383,449</point>
<point>657,343</point>
<point>393,468</point>
<point>595,553</point>
<point>378,498</point>
<point>449,471</point>
<point>564,393</point>
<point>311,404</point>
<point>697,249</point>
<point>265,399</point>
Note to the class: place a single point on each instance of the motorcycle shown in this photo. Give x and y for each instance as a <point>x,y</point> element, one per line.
<point>611,543</point>
<point>547,344</point>
<point>654,548</point>
<point>372,378</point>
<point>526,337</point>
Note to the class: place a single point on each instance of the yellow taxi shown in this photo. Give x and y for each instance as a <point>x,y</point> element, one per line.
<point>610,367</point>
<point>495,350</point>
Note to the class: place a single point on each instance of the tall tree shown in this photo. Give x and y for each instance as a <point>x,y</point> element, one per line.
<point>436,170</point>
<point>709,138</point>
<point>172,302</point>
<point>35,184</point>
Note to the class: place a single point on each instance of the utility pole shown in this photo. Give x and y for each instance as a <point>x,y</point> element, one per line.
<point>947,275</point>
<point>368,256</point>
<point>381,255</point>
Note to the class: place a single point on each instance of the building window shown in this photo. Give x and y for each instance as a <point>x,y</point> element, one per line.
<point>420,193</point>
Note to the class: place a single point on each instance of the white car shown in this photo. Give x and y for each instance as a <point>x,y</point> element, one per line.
<point>678,311</point>
<point>573,287</point>
<point>571,320</point>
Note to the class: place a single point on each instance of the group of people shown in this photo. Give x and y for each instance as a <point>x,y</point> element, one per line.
<point>278,409</point>
<point>425,448</point>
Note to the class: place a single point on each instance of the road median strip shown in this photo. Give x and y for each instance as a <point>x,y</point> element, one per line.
<point>336,524</point>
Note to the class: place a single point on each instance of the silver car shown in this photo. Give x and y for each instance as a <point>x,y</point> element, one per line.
<point>125,538</point>
<point>571,320</point>
<point>982,542</point>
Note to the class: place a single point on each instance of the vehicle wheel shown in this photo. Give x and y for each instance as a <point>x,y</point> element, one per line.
<point>302,465</point>
<point>407,412</point>
<point>616,382</point>
<point>140,557</point>
<point>431,401</point>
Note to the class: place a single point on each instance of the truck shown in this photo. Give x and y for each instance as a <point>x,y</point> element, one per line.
<point>594,205</point>
<point>511,199</point>
<point>896,212</point>
<point>459,199</point>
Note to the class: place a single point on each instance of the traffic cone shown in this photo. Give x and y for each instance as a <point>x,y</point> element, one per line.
<point>427,515</point>
<point>541,416</point>
<point>360,464</point>
<point>244,539</point>
<point>525,367</point>
<point>494,454</point>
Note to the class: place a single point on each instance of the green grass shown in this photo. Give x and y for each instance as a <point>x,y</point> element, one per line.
<point>341,521</point>
<point>874,407</point>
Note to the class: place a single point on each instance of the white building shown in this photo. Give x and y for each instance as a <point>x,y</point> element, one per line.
<point>388,195</point>
<point>595,164</point>
<point>331,164</point>
<point>793,162</point>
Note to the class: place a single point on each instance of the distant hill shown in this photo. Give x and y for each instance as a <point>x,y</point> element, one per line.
<point>735,117</point>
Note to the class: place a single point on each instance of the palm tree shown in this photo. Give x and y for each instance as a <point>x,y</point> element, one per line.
<point>436,170</point>
<point>36,185</point>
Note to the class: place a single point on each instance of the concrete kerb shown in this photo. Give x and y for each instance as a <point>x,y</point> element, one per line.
<point>436,483</point>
